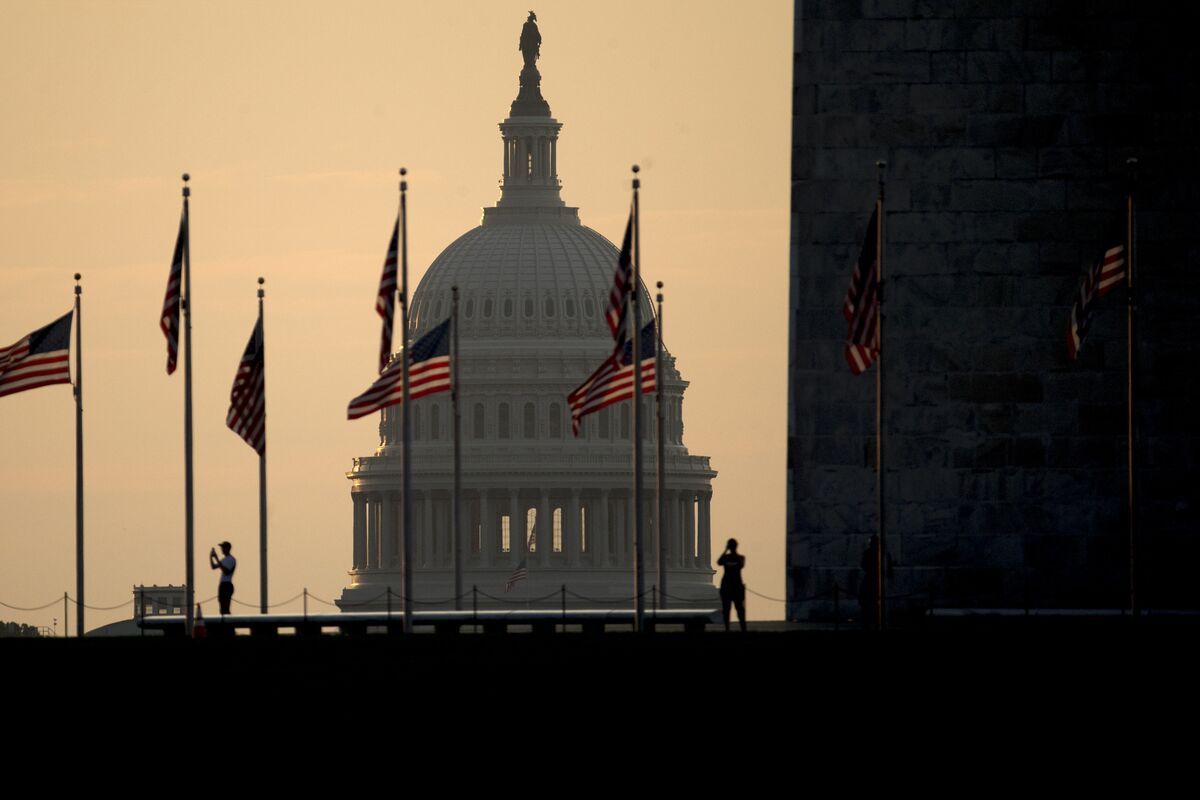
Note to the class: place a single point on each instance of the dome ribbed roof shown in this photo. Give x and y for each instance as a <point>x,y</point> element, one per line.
<point>522,280</point>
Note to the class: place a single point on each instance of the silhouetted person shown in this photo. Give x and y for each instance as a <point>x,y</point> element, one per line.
<point>733,591</point>
<point>868,585</point>
<point>227,565</point>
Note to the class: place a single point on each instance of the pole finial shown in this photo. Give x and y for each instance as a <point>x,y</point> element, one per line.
<point>403,182</point>
<point>261,281</point>
<point>636,181</point>
<point>187,190</point>
<point>78,290</point>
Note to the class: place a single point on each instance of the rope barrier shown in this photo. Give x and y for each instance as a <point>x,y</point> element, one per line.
<point>521,600</point>
<point>53,602</point>
<point>99,608</point>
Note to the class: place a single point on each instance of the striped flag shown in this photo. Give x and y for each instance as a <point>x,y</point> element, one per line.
<point>247,415</point>
<point>170,313</point>
<point>40,359</point>
<point>1106,273</point>
<point>612,381</point>
<point>518,574</point>
<point>385,302</point>
<point>428,373</point>
<point>618,298</point>
<point>861,306</point>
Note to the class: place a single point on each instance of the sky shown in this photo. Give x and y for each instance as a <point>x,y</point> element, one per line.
<point>292,119</point>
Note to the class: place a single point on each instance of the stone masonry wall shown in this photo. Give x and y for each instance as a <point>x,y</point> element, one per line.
<point>1006,126</point>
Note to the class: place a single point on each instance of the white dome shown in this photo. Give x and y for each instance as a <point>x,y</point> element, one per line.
<point>533,287</point>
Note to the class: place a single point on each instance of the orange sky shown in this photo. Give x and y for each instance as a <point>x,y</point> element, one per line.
<point>292,118</point>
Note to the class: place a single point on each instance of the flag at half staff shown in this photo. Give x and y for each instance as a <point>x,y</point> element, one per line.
<point>428,373</point>
<point>861,306</point>
<point>1106,273</point>
<point>612,381</point>
<point>40,359</point>
<point>170,313</point>
<point>247,415</point>
<point>385,301</point>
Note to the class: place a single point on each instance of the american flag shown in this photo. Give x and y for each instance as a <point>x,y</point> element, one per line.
<point>247,415</point>
<point>612,381</point>
<point>618,298</point>
<point>40,359</point>
<point>385,302</point>
<point>428,373</point>
<point>861,306</point>
<point>170,313</point>
<point>518,574</point>
<point>1102,276</point>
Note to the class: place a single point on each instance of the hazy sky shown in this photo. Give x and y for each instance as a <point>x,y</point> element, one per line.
<point>292,118</point>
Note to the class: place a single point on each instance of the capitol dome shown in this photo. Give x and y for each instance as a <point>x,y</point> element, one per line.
<point>532,283</point>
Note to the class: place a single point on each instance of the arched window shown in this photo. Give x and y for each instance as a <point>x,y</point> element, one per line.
<point>508,307</point>
<point>549,305</point>
<point>470,308</point>
<point>531,531</point>
<point>477,421</point>
<point>435,423</point>
<point>487,308</point>
<point>505,533</point>
<point>528,306</point>
<point>503,421</point>
<point>558,531</point>
<point>530,422</point>
<point>589,309</point>
<point>416,422</point>
<point>569,308</point>
<point>556,421</point>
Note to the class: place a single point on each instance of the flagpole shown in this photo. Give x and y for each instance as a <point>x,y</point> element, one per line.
<point>262,463</point>
<point>189,556</point>
<point>1131,304</point>
<point>660,483</point>
<point>406,588</point>
<point>639,514</point>
<point>881,549</point>
<point>78,457</point>
<point>455,506</point>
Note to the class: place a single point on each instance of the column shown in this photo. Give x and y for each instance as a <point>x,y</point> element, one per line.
<point>689,530</point>
<point>678,551</point>
<point>600,530</point>
<point>621,531</point>
<point>387,530</point>
<point>572,541</point>
<point>360,530</point>
<point>706,529</point>
<point>554,158</point>
<point>372,510</point>
<point>487,537</point>
<point>545,529</point>
<point>516,530</point>
<point>427,530</point>
<point>506,159</point>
